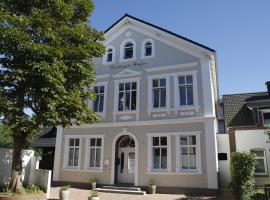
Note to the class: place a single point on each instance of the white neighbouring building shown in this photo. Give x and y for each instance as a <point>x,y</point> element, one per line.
<point>157,93</point>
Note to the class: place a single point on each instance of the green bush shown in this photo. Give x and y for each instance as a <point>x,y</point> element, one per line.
<point>33,189</point>
<point>242,174</point>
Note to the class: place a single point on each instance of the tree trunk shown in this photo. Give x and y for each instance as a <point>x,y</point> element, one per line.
<point>16,171</point>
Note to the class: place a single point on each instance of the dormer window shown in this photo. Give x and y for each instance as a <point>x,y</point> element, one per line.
<point>108,58</point>
<point>148,49</point>
<point>109,55</point>
<point>128,50</point>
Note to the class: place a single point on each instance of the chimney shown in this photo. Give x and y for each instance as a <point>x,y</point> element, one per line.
<point>268,87</point>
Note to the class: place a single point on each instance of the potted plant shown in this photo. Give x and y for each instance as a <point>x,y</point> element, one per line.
<point>152,186</point>
<point>64,192</point>
<point>94,196</point>
<point>93,183</point>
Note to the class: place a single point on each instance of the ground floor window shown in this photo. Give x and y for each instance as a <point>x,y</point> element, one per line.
<point>261,167</point>
<point>159,152</point>
<point>73,149</point>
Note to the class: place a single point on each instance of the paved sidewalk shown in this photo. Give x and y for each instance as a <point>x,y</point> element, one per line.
<point>82,194</point>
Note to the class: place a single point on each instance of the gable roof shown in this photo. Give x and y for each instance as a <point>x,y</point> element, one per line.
<point>161,29</point>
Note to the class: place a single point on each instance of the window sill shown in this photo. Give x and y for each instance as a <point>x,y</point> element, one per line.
<point>261,175</point>
<point>125,112</point>
<point>108,63</point>
<point>147,57</point>
<point>83,170</point>
<point>175,173</point>
<point>193,107</point>
<point>71,168</point>
<point>102,114</point>
<point>158,110</point>
<point>127,60</point>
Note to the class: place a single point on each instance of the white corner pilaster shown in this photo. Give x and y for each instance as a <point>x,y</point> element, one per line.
<point>57,154</point>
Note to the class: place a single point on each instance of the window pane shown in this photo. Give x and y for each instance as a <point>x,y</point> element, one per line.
<point>164,158</point>
<point>182,92</point>
<point>189,79</point>
<point>156,98</point>
<point>76,157</point>
<point>266,117</point>
<point>121,86</point>
<point>163,82</point>
<point>77,142</point>
<point>92,142</point>
<point>133,100</point>
<point>98,157</point>
<point>95,104</point>
<point>99,142</point>
<point>155,83</point>
<point>184,158</point>
<point>134,85</point>
<point>127,86</point>
<point>109,57</point>
<point>259,166</point>
<point>121,102</point>
<point>163,141</point>
<point>155,141</point>
<point>259,153</point>
<point>156,152</point>
<point>101,102</point>
<point>148,51</point>
<point>92,157</point>
<point>192,157</point>
<point>127,106</point>
<point>181,80</point>
<point>192,140</point>
<point>96,89</point>
<point>71,155</point>
<point>101,89</point>
<point>190,95</point>
<point>128,53</point>
<point>183,140</point>
<point>163,98</point>
<point>71,142</point>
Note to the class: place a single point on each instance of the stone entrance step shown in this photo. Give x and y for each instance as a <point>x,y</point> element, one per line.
<point>122,190</point>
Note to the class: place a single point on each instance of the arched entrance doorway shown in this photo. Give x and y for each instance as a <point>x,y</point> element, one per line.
<point>125,159</point>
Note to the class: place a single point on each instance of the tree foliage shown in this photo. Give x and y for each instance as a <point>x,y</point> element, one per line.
<point>242,174</point>
<point>5,136</point>
<point>46,49</point>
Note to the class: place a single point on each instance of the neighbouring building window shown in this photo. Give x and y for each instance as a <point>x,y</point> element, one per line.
<point>159,93</point>
<point>185,86</point>
<point>109,57</point>
<point>159,151</point>
<point>261,168</point>
<point>148,49</point>
<point>127,96</point>
<point>128,50</point>
<point>95,152</point>
<point>74,148</point>
<point>98,104</point>
<point>266,118</point>
<point>188,152</point>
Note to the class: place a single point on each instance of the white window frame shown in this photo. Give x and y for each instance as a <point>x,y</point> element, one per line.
<point>106,55</point>
<point>66,153</point>
<point>150,167</point>
<point>116,97</point>
<point>263,112</point>
<point>179,153</point>
<point>143,56</point>
<point>177,105</point>
<point>122,48</point>
<point>87,154</point>
<point>150,93</point>
<point>105,84</point>
<point>264,159</point>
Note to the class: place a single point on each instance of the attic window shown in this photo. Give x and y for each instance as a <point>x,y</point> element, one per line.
<point>109,55</point>
<point>128,51</point>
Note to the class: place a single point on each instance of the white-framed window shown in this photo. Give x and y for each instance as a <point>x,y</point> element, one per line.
<point>127,96</point>
<point>94,153</point>
<point>109,56</point>
<point>73,147</point>
<point>159,152</point>
<point>98,104</point>
<point>158,92</point>
<point>261,166</point>
<point>185,89</point>
<point>266,117</point>
<point>188,152</point>
<point>127,50</point>
<point>148,48</point>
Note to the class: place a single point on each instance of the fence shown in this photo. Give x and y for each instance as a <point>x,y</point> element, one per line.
<point>262,193</point>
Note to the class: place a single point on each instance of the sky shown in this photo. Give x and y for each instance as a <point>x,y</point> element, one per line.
<point>239,31</point>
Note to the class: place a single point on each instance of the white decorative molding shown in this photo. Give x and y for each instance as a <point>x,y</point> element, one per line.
<point>143,48</point>
<point>122,47</point>
<point>127,73</point>
<point>126,117</point>
<point>103,76</point>
<point>106,55</point>
<point>171,67</point>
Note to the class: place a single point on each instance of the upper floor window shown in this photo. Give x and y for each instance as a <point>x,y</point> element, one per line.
<point>73,152</point>
<point>98,104</point>
<point>128,50</point>
<point>159,93</point>
<point>261,167</point>
<point>148,48</point>
<point>127,96</point>
<point>185,87</point>
<point>109,55</point>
